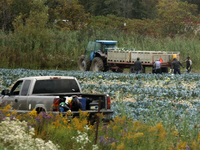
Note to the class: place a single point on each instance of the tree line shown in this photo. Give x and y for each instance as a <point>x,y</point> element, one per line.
<point>49,33</point>
<point>132,9</point>
<point>153,17</point>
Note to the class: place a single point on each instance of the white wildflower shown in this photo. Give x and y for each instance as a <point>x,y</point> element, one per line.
<point>14,133</point>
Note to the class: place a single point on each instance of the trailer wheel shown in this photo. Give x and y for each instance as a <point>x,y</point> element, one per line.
<point>97,64</point>
<point>113,70</point>
<point>119,70</point>
<point>143,70</point>
<point>132,69</point>
<point>84,65</point>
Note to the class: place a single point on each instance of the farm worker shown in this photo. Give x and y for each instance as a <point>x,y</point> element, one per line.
<point>188,64</point>
<point>138,66</point>
<point>176,66</point>
<point>157,64</point>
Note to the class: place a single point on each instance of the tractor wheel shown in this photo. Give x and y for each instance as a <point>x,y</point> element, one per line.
<point>84,65</point>
<point>132,69</point>
<point>97,64</point>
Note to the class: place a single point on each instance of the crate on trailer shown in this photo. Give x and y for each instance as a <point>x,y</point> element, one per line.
<point>134,56</point>
<point>147,57</point>
<point>111,55</point>
<point>117,56</point>
<point>122,56</point>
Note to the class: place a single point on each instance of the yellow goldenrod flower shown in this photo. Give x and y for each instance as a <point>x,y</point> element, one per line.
<point>33,113</point>
<point>121,146</point>
<point>113,145</point>
<point>182,145</point>
<point>14,113</point>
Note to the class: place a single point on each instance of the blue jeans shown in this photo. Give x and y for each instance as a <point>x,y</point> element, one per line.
<point>137,72</point>
<point>177,70</point>
<point>158,71</point>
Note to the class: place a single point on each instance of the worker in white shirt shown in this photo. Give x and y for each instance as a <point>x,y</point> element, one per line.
<point>157,65</point>
<point>188,64</point>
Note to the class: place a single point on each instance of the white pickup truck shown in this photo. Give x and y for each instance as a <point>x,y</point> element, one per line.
<point>45,93</point>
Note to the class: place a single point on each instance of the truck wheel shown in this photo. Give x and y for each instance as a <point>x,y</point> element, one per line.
<point>132,69</point>
<point>84,65</point>
<point>97,64</point>
<point>40,110</point>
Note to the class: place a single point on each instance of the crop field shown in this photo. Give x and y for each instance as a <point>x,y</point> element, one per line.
<point>172,100</point>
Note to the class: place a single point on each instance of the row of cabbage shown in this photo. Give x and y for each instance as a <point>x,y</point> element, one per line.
<point>167,97</point>
<point>167,86</point>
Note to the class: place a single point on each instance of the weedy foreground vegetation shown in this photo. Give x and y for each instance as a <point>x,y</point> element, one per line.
<point>150,112</point>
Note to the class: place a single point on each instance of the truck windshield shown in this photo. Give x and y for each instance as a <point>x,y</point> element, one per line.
<point>56,86</point>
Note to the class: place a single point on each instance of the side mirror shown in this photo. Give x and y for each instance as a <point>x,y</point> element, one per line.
<point>5,92</point>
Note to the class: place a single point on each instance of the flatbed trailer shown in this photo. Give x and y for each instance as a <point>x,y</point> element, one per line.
<point>103,55</point>
<point>119,60</point>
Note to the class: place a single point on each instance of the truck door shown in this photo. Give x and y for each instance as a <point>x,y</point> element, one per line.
<point>18,95</point>
<point>13,97</point>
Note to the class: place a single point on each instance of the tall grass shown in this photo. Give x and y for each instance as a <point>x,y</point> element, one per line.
<point>61,49</point>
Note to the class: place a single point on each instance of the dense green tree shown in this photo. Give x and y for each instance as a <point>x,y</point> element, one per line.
<point>53,13</point>
<point>21,6</point>
<point>35,26</point>
<point>196,2</point>
<point>71,15</point>
<point>176,16</point>
<point>6,16</point>
<point>86,4</point>
<point>138,9</point>
<point>120,8</point>
<point>97,8</point>
<point>12,8</point>
<point>150,10</point>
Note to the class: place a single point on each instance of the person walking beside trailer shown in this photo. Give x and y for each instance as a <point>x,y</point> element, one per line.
<point>188,64</point>
<point>138,66</point>
<point>157,64</point>
<point>176,66</point>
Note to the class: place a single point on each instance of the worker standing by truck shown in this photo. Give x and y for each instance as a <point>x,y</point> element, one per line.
<point>188,64</point>
<point>138,66</point>
<point>176,66</point>
<point>157,64</point>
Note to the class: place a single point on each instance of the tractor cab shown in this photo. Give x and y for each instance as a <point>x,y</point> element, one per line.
<point>96,55</point>
<point>99,47</point>
<point>106,45</point>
